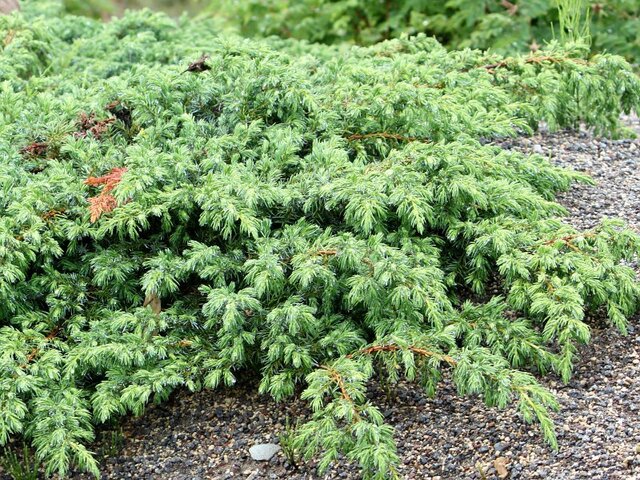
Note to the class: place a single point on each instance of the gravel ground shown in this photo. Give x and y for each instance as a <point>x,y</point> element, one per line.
<point>612,163</point>
<point>208,435</point>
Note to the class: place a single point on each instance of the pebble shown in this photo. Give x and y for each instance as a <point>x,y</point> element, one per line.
<point>500,446</point>
<point>264,451</point>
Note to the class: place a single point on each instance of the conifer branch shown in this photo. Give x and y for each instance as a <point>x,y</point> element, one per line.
<point>412,348</point>
<point>568,239</point>
<point>537,60</point>
<point>339,381</point>
<point>326,253</point>
<point>385,135</point>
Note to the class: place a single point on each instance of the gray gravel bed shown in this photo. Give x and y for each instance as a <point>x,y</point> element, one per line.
<point>208,435</point>
<point>613,164</point>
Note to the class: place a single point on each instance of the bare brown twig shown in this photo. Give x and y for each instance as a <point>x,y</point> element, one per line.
<point>35,351</point>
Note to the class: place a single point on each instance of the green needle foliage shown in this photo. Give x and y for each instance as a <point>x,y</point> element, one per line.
<point>321,215</point>
<point>574,19</point>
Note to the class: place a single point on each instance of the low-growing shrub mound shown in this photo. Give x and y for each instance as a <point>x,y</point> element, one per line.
<point>322,216</point>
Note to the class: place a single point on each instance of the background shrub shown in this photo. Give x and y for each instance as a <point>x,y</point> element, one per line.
<point>503,26</point>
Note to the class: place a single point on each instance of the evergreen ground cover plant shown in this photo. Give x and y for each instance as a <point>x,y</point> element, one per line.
<point>324,216</point>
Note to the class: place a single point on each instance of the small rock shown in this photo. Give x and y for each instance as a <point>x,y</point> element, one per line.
<point>500,464</point>
<point>537,148</point>
<point>501,446</point>
<point>264,451</point>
